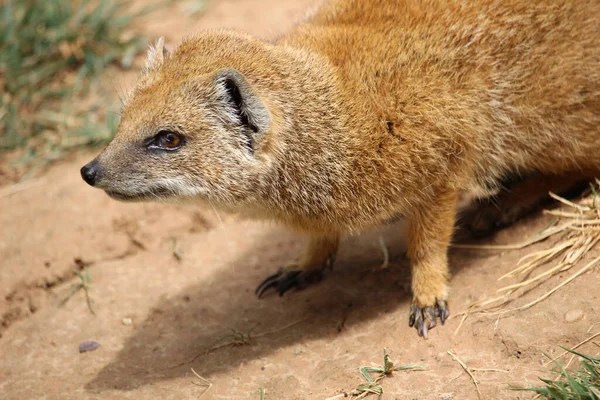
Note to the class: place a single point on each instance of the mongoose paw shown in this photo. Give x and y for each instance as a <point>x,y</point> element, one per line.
<point>288,278</point>
<point>425,318</point>
<point>490,219</point>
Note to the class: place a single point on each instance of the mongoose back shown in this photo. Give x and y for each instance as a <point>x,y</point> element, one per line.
<point>368,110</point>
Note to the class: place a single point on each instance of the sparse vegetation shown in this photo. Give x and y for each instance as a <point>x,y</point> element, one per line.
<point>51,53</point>
<point>575,229</point>
<point>84,284</point>
<point>373,386</point>
<point>583,384</point>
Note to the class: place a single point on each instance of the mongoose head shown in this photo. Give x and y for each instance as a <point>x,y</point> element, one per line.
<point>194,127</point>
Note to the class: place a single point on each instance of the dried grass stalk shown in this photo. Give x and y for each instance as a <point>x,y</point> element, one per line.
<point>577,234</point>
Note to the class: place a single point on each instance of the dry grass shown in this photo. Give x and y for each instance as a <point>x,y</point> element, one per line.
<point>51,55</point>
<point>204,383</point>
<point>467,370</point>
<point>576,231</point>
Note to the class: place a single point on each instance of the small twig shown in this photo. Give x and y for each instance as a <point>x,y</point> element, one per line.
<point>464,366</point>
<point>568,203</point>
<point>476,307</point>
<point>489,370</point>
<point>205,384</point>
<point>573,348</point>
<point>280,329</point>
<point>592,327</point>
<point>565,214</point>
<point>462,321</point>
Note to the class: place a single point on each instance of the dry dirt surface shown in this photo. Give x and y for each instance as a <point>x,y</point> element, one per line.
<point>169,283</point>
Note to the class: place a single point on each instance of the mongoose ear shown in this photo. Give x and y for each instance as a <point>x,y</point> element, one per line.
<point>241,104</point>
<point>157,54</point>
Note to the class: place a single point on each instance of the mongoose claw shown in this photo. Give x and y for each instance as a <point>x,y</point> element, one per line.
<point>425,318</point>
<point>287,278</point>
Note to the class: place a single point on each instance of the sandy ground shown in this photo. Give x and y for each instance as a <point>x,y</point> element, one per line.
<point>156,316</point>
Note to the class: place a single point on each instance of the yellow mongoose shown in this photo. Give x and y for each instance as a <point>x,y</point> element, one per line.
<point>366,111</point>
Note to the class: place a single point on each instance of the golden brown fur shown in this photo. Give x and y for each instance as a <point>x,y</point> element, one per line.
<point>369,110</point>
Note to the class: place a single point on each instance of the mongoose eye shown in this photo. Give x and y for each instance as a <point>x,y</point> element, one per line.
<point>166,140</point>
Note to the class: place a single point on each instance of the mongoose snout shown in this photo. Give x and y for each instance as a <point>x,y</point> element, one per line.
<point>89,172</point>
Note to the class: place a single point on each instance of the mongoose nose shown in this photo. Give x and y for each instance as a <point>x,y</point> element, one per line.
<point>89,172</point>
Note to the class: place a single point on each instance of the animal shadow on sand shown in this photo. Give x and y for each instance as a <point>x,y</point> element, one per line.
<point>179,330</point>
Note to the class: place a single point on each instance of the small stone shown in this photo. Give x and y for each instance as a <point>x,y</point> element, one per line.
<point>573,315</point>
<point>127,321</point>
<point>447,396</point>
<point>88,345</point>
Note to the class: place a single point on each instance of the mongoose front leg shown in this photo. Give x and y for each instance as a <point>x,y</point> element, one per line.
<point>430,231</point>
<point>319,255</point>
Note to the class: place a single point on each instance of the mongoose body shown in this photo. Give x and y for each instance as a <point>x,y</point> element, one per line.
<point>366,111</point>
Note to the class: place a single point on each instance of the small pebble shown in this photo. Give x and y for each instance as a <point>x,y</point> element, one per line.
<point>447,396</point>
<point>573,315</point>
<point>127,321</point>
<point>88,345</point>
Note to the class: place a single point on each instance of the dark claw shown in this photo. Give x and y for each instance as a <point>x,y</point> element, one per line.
<point>413,315</point>
<point>289,280</point>
<point>424,319</point>
<point>286,279</point>
<point>268,283</point>
<point>442,310</point>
